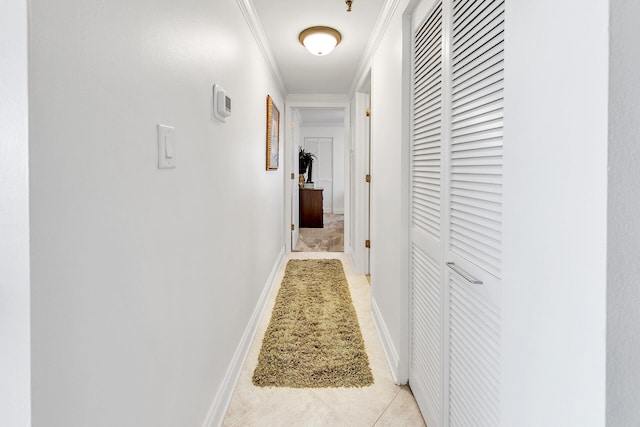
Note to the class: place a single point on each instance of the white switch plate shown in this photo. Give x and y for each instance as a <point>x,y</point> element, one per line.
<point>166,147</point>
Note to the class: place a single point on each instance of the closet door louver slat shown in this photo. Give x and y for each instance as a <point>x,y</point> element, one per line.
<point>476,132</point>
<point>474,353</point>
<point>427,117</point>
<point>426,357</point>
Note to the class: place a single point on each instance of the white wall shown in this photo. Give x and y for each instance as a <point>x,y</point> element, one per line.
<point>389,207</point>
<point>15,407</point>
<point>337,133</point>
<point>555,219</point>
<point>623,270</point>
<point>144,280</point>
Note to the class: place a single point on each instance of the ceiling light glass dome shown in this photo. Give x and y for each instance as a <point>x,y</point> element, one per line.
<point>320,40</point>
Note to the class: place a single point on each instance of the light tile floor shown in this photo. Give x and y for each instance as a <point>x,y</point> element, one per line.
<point>382,404</point>
<point>329,238</point>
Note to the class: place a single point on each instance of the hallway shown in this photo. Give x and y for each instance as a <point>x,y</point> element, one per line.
<point>125,201</point>
<point>383,404</point>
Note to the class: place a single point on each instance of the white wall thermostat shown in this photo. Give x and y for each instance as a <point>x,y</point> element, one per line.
<point>221,103</point>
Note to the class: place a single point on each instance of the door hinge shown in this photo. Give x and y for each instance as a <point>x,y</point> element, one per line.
<point>367,112</point>
<point>367,178</point>
<point>293,227</point>
<point>293,125</point>
<point>367,243</point>
<point>292,175</point>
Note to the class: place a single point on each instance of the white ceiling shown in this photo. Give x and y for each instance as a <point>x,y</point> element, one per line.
<point>302,72</point>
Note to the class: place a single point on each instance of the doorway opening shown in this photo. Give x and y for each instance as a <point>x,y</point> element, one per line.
<point>318,198</point>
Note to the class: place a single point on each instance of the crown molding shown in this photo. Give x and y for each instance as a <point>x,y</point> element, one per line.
<point>384,19</point>
<point>251,16</point>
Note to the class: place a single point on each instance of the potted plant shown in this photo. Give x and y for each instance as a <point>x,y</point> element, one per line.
<point>305,161</point>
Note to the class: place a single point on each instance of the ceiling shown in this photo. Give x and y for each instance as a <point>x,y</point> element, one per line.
<point>302,72</point>
<point>321,117</point>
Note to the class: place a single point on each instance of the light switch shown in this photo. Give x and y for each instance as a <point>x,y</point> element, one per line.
<point>166,147</point>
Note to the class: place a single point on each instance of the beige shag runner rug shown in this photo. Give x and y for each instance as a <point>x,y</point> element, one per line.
<point>313,338</point>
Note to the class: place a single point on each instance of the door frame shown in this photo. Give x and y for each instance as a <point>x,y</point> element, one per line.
<point>292,103</point>
<point>361,150</point>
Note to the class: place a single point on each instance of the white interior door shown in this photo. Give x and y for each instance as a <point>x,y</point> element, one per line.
<point>322,171</point>
<point>367,218</point>
<point>360,191</point>
<point>426,368</point>
<point>475,211</point>
<point>456,210</point>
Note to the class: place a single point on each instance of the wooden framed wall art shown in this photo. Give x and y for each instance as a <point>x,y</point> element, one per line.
<point>273,135</point>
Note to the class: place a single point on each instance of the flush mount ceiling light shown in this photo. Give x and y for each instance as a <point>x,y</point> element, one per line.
<point>320,40</point>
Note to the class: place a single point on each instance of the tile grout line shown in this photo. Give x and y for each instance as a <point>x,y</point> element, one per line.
<point>264,402</point>
<point>338,414</point>
<point>386,408</point>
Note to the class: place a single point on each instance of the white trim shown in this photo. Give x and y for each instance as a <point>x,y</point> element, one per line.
<point>387,343</point>
<point>15,262</point>
<point>338,211</point>
<point>321,125</point>
<point>405,196</point>
<point>254,24</point>
<point>388,9</point>
<point>221,401</point>
<point>350,253</point>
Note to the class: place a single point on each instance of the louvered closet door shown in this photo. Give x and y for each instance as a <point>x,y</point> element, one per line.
<point>475,212</point>
<point>426,364</point>
<point>456,211</point>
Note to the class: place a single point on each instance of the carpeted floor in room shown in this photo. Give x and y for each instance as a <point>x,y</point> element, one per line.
<point>330,238</point>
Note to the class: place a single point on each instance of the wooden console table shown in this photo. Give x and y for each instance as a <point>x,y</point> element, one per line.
<point>311,208</point>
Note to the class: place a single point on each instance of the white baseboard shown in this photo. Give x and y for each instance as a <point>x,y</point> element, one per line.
<point>338,211</point>
<point>221,402</point>
<point>349,251</point>
<point>387,344</point>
